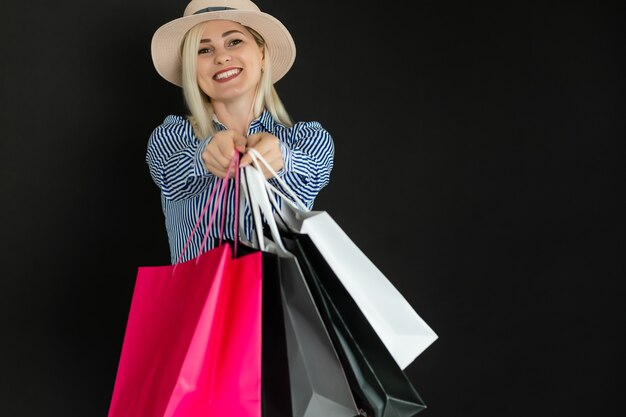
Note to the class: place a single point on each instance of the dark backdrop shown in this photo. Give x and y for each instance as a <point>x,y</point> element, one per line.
<point>476,164</point>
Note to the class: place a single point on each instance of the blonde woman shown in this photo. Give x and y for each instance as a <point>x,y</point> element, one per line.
<point>226,55</point>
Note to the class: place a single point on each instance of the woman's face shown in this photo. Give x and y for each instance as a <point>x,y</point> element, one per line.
<point>229,62</point>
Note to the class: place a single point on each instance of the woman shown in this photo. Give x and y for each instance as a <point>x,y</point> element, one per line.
<point>227,55</point>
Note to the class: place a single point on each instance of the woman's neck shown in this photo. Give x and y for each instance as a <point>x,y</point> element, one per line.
<point>235,116</point>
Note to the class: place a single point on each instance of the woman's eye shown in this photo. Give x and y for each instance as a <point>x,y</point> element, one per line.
<point>235,42</point>
<point>204,51</point>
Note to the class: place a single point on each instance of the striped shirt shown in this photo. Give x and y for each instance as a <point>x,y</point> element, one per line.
<point>174,157</point>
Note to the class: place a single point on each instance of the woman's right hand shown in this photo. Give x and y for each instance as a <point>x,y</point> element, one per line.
<point>220,151</point>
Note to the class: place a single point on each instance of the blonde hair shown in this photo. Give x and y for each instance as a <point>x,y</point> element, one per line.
<point>199,104</point>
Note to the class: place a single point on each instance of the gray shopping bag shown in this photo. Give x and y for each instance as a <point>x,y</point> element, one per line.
<point>302,375</point>
<point>318,385</point>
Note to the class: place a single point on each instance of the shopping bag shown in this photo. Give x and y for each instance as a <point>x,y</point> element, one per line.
<point>317,384</point>
<point>276,389</point>
<point>404,333</point>
<point>380,386</point>
<point>302,373</point>
<point>192,345</point>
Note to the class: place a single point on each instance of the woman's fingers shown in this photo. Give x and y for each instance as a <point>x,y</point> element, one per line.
<point>220,151</point>
<point>267,146</point>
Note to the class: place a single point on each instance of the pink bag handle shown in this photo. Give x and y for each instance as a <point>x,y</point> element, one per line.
<point>221,186</point>
<point>237,157</point>
<point>222,199</point>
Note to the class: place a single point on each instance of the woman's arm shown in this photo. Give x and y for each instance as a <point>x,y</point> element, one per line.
<point>308,155</point>
<point>174,158</point>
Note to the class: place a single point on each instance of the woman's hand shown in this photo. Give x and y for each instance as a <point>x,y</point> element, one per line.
<point>221,150</point>
<point>267,145</point>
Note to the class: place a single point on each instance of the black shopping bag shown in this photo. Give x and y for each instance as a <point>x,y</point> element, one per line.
<point>275,389</point>
<point>379,385</point>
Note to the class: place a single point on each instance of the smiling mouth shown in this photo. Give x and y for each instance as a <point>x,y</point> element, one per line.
<point>226,75</point>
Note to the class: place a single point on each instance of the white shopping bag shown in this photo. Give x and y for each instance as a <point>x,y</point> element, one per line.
<point>401,329</point>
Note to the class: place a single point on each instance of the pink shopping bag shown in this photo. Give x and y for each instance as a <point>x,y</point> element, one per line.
<point>192,345</point>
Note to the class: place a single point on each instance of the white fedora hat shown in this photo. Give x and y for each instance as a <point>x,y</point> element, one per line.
<point>167,41</point>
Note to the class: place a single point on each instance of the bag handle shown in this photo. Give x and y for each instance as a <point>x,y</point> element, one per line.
<point>288,215</point>
<point>259,199</point>
<point>221,186</point>
<point>257,233</point>
<point>223,200</point>
<point>293,200</point>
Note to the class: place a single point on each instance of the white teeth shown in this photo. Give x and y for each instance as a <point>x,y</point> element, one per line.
<point>226,74</point>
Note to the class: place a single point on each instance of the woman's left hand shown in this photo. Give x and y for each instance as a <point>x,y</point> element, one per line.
<point>267,145</point>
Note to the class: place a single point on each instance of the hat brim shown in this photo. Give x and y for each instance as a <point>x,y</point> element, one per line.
<point>167,41</point>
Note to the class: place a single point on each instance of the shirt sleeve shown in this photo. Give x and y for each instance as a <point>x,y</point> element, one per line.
<point>308,156</point>
<point>174,157</point>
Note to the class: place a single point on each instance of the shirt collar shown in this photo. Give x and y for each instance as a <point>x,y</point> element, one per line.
<point>265,122</point>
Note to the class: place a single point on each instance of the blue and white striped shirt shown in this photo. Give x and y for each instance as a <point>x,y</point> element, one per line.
<point>175,164</point>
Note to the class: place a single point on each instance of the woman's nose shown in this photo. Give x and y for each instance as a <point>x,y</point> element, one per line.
<point>222,57</point>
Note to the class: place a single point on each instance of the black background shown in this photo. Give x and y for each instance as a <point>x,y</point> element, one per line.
<point>476,164</point>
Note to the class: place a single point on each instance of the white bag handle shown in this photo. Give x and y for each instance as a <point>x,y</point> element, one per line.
<point>256,214</point>
<point>259,200</point>
<point>293,200</point>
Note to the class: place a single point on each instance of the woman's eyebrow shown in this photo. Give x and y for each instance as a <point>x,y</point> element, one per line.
<point>225,34</point>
